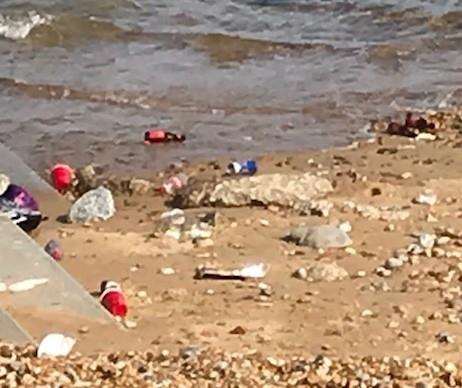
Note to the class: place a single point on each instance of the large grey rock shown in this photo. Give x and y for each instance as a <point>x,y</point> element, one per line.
<point>326,272</point>
<point>282,189</point>
<point>302,192</point>
<point>96,204</point>
<point>323,236</point>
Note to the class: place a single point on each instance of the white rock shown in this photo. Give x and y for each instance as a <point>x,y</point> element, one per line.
<point>345,226</point>
<point>367,313</point>
<point>264,222</point>
<point>198,232</point>
<point>129,324</point>
<point>431,218</point>
<point>174,233</point>
<point>301,273</point>
<point>393,262</point>
<point>323,236</point>
<point>427,240</point>
<point>55,345</point>
<point>350,250</point>
<point>3,287</point>
<point>406,175</point>
<point>383,272</point>
<point>167,271</point>
<point>443,240</point>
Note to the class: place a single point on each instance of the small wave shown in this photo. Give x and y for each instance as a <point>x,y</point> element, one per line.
<point>19,27</point>
<point>123,98</point>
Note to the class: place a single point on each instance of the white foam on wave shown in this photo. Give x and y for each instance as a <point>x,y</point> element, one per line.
<point>19,27</point>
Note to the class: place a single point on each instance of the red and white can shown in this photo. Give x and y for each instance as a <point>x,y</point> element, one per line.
<point>113,299</point>
<point>175,183</point>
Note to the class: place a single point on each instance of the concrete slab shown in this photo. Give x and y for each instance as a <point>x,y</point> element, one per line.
<point>10,331</point>
<point>20,259</point>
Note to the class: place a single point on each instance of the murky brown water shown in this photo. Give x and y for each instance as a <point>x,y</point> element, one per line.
<point>81,81</point>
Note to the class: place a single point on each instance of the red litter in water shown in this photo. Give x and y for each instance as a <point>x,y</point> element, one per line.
<point>54,250</point>
<point>113,299</point>
<point>155,135</point>
<point>62,175</point>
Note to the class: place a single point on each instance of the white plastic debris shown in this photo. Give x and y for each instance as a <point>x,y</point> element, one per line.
<point>426,198</point>
<point>173,233</point>
<point>345,226</point>
<point>55,345</point>
<point>425,136</point>
<point>255,271</point>
<point>26,285</point>
<point>174,217</point>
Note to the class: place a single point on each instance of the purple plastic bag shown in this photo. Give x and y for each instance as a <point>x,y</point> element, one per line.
<point>20,197</point>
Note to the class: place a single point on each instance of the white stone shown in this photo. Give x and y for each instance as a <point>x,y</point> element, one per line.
<point>427,240</point>
<point>167,271</point>
<point>393,262</point>
<point>345,226</point>
<point>323,236</point>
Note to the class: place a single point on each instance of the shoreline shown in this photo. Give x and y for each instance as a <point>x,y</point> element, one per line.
<point>401,312</point>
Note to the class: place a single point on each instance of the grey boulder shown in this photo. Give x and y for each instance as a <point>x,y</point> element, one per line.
<point>323,236</point>
<point>97,204</point>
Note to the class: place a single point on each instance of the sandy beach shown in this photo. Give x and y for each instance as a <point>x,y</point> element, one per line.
<point>409,310</point>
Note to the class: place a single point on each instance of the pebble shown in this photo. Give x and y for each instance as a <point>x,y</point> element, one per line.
<point>383,272</point>
<point>406,175</point>
<point>351,251</point>
<point>167,271</point>
<point>427,240</point>
<point>393,263</point>
<point>431,218</point>
<point>130,324</point>
<point>84,330</point>
<point>367,313</point>
<point>301,273</point>
<point>264,222</point>
<point>206,243</point>
<point>345,226</point>
<point>390,228</point>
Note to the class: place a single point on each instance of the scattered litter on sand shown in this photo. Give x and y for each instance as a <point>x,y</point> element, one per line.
<point>254,271</point>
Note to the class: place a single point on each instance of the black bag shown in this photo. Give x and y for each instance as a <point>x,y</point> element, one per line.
<point>25,218</point>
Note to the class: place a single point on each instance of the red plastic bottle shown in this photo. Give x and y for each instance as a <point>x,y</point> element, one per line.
<point>160,135</point>
<point>157,135</point>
